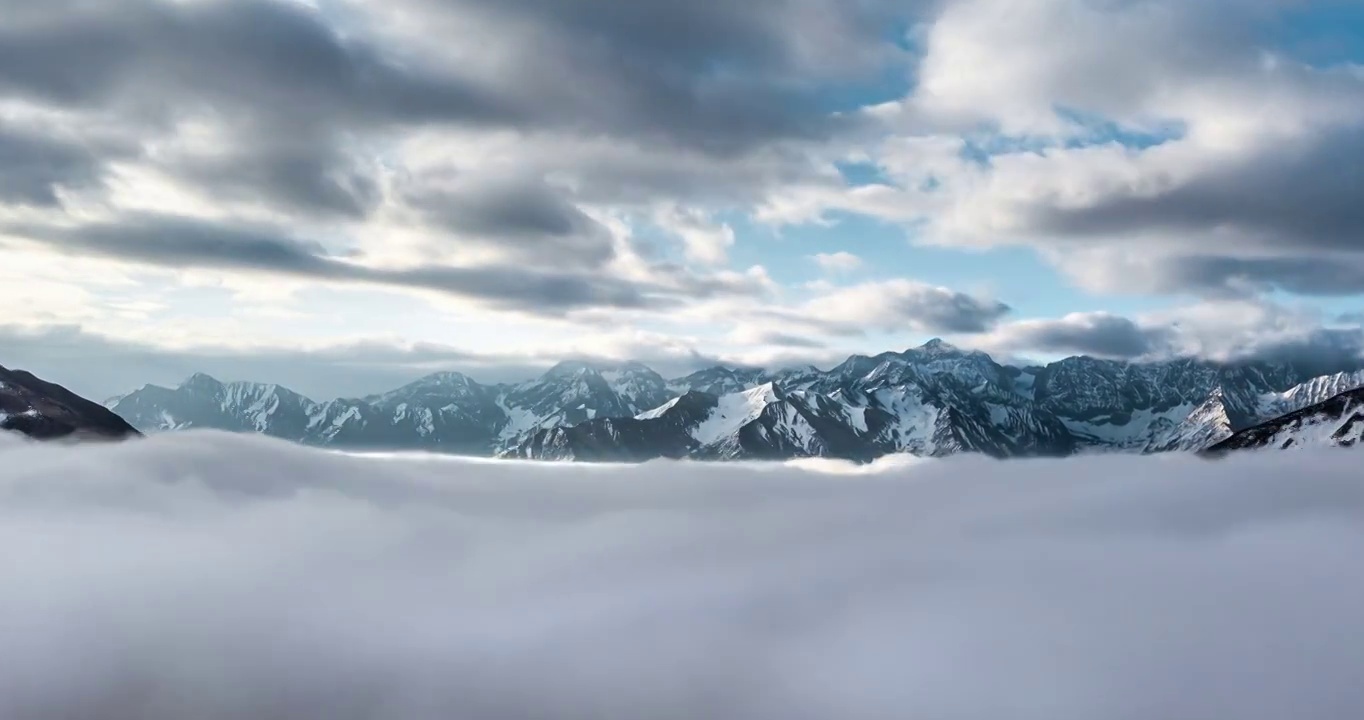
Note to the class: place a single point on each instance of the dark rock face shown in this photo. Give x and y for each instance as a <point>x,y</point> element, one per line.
<point>46,411</point>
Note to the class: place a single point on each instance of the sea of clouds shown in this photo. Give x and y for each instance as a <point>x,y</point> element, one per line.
<point>212,577</point>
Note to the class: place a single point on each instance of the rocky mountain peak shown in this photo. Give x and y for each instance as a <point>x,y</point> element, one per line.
<point>570,369</point>
<point>201,382</point>
<point>937,346</point>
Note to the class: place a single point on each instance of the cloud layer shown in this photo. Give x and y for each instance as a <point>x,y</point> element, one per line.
<point>642,166</point>
<point>229,577</point>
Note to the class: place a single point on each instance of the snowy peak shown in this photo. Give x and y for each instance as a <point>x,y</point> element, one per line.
<point>636,384</point>
<point>938,348</point>
<point>1338,422</point>
<point>567,369</point>
<point>1315,391</point>
<point>733,412</point>
<point>1204,426</point>
<point>436,389</point>
<point>201,382</point>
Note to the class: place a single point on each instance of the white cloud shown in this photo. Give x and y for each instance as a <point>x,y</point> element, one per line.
<point>565,160</point>
<point>1162,147</point>
<point>704,241</point>
<point>895,305</point>
<point>231,578</point>
<point>838,262</point>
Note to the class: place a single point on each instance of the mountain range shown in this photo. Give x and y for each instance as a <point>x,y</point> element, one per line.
<point>933,400</point>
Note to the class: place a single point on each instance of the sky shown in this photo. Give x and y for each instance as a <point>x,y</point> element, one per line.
<point>343,195</point>
<point>162,579</point>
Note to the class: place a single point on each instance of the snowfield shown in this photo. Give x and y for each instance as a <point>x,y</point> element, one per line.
<point>223,577</point>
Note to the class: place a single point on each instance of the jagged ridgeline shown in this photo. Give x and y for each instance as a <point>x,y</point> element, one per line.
<point>934,400</point>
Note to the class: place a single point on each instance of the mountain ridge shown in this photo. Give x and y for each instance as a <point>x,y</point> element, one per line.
<point>932,400</point>
<point>1335,422</point>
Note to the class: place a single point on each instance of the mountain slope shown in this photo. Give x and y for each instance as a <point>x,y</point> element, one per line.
<point>1337,422</point>
<point>761,423</point>
<point>45,411</point>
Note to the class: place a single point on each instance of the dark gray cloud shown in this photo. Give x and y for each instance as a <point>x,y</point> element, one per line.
<point>1317,351</point>
<point>290,93</point>
<point>311,175</point>
<point>953,312</point>
<point>522,216</point>
<point>712,74</point>
<point>1321,275</point>
<point>895,307</point>
<point>1285,216</point>
<point>1290,196</point>
<point>787,340</point>
<point>34,167</point>
<point>271,61</point>
<point>180,243</point>
<point>1236,332</point>
<point>1097,334</point>
<point>297,98</point>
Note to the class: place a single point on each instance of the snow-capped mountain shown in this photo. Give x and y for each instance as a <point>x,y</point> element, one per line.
<point>447,412</point>
<point>44,411</point>
<point>933,400</point>
<point>1336,422</point>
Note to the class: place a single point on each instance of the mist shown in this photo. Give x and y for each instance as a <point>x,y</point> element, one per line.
<point>218,577</point>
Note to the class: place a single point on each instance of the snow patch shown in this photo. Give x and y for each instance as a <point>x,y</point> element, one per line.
<point>659,411</point>
<point>733,412</point>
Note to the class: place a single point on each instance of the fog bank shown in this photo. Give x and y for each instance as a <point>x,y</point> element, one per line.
<point>217,577</point>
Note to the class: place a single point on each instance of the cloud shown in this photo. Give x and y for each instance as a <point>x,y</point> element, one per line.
<point>896,305</point>
<point>350,367</point>
<point>519,216</point>
<point>1223,331</point>
<point>1115,62</point>
<point>508,178</point>
<point>722,77</point>
<point>838,262</point>
<point>1166,148</point>
<point>704,241</point>
<point>282,90</point>
<point>176,579</point>
<point>38,166</point>
<point>1320,274</point>
<point>756,336</point>
<point>1175,146</point>
<point>344,369</point>
<point>302,102</point>
<point>184,243</point>
<point>1099,334</point>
